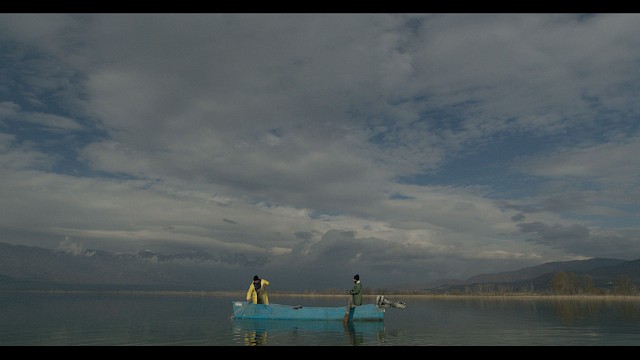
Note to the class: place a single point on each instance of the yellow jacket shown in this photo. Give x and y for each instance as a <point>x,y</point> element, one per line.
<point>252,294</point>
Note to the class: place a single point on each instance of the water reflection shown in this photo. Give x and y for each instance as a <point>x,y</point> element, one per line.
<point>357,332</point>
<point>257,332</point>
<point>255,337</point>
<point>571,312</point>
<point>629,310</point>
<point>123,319</point>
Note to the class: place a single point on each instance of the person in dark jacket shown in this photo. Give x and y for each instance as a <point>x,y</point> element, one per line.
<point>356,292</point>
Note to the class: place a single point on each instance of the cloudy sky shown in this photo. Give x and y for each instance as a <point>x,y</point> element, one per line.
<point>403,147</point>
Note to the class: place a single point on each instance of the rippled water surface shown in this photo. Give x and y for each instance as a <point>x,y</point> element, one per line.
<point>154,319</point>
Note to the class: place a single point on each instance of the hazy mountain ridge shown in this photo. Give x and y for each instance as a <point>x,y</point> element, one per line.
<point>602,271</point>
<point>25,267</point>
<point>551,267</point>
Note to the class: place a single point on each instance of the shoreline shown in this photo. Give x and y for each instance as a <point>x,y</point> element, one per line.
<point>241,294</point>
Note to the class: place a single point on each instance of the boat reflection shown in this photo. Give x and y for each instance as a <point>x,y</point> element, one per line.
<point>254,337</point>
<point>256,332</point>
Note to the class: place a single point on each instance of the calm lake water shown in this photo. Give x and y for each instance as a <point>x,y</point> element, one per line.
<point>35,319</point>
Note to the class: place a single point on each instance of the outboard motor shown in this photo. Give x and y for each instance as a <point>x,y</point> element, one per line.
<point>382,302</point>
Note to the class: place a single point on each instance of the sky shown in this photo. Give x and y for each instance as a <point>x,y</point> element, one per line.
<point>403,147</point>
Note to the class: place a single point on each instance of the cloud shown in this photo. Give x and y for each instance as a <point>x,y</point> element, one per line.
<point>406,146</point>
<point>8,109</point>
<point>18,157</point>
<point>604,164</point>
<point>12,111</point>
<point>52,121</point>
<point>70,247</point>
<point>579,239</point>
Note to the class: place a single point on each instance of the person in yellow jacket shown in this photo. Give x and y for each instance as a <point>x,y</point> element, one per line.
<point>257,293</point>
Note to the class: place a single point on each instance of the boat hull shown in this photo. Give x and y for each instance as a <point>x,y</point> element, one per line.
<point>245,310</point>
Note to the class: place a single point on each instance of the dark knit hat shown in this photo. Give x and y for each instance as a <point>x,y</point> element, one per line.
<point>256,278</point>
<point>356,277</point>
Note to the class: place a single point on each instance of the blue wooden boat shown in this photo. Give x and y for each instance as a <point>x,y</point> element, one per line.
<point>246,310</point>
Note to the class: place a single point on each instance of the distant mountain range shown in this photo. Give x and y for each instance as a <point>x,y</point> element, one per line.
<point>29,268</point>
<point>603,272</point>
<point>26,267</point>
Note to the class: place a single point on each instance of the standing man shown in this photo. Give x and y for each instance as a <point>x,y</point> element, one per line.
<point>258,291</point>
<point>356,292</point>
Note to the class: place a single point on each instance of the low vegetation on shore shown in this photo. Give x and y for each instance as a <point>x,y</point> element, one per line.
<point>275,294</point>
